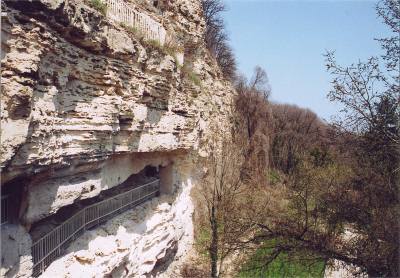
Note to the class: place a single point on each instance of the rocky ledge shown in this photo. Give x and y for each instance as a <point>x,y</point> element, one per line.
<point>86,103</point>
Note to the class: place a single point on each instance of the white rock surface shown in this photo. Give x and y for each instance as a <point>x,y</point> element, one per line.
<point>339,269</point>
<point>17,262</point>
<point>130,244</point>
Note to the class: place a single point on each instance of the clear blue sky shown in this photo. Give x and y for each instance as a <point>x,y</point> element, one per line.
<point>288,39</point>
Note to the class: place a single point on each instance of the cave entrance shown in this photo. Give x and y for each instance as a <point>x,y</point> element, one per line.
<point>52,235</point>
<point>11,197</point>
<point>148,175</point>
<point>152,172</point>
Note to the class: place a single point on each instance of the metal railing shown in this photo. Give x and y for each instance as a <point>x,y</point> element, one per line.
<point>119,11</point>
<point>49,247</point>
<point>5,209</point>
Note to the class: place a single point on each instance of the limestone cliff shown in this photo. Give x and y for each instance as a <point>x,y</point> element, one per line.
<point>87,102</point>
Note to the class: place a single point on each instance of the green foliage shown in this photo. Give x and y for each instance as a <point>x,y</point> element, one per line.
<point>166,49</point>
<point>172,49</point>
<point>191,75</point>
<point>133,30</point>
<point>320,157</point>
<point>202,241</point>
<point>194,78</point>
<point>273,177</point>
<point>284,265</point>
<point>188,73</point>
<point>155,44</point>
<point>99,6</point>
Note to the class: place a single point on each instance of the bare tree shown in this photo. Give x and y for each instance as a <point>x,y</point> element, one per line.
<point>223,194</point>
<point>252,119</point>
<point>216,38</point>
<point>358,88</point>
<point>295,131</point>
<point>389,11</point>
<point>212,10</point>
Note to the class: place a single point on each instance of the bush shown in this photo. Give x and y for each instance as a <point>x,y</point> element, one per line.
<point>155,45</point>
<point>188,73</point>
<point>169,48</point>
<point>274,177</point>
<point>99,6</point>
<point>194,78</point>
<point>133,30</point>
<point>166,49</point>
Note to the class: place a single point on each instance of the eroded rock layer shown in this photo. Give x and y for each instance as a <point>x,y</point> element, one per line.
<point>86,103</point>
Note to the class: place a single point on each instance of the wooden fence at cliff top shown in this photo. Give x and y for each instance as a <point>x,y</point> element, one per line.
<point>48,248</point>
<point>148,27</point>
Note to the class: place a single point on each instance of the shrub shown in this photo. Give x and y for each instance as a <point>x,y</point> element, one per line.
<point>168,48</point>
<point>188,74</point>
<point>155,44</point>
<point>133,30</point>
<point>99,6</point>
<point>274,177</point>
<point>194,78</point>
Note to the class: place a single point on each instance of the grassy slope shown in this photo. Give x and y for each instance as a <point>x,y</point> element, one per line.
<point>283,266</point>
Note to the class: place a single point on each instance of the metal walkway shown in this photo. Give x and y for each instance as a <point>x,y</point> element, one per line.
<point>50,247</point>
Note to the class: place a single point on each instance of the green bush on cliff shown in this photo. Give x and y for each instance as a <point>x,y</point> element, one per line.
<point>187,72</point>
<point>99,6</point>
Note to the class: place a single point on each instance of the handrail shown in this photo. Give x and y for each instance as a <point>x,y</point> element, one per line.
<point>5,196</point>
<point>119,11</point>
<point>46,249</point>
<point>93,205</point>
<point>5,209</point>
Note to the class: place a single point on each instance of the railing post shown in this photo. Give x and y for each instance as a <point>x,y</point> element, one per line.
<point>59,241</point>
<point>84,219</point>
<point>98,214</point>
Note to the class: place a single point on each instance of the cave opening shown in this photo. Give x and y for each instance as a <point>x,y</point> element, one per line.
<point>52,235</point>
<point>44,226</point>
<point>11,199</point>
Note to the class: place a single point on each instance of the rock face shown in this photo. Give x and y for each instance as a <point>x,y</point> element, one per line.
<point>17,243</point>
<point>131,244</point>
<point>86,103</point>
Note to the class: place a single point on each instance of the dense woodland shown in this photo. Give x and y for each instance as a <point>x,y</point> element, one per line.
<point>288,180</point>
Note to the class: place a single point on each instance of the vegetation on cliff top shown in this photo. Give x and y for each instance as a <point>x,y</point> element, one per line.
<point>99,6</point>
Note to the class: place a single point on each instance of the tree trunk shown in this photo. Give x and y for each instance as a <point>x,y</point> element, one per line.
<point>214,244</point>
